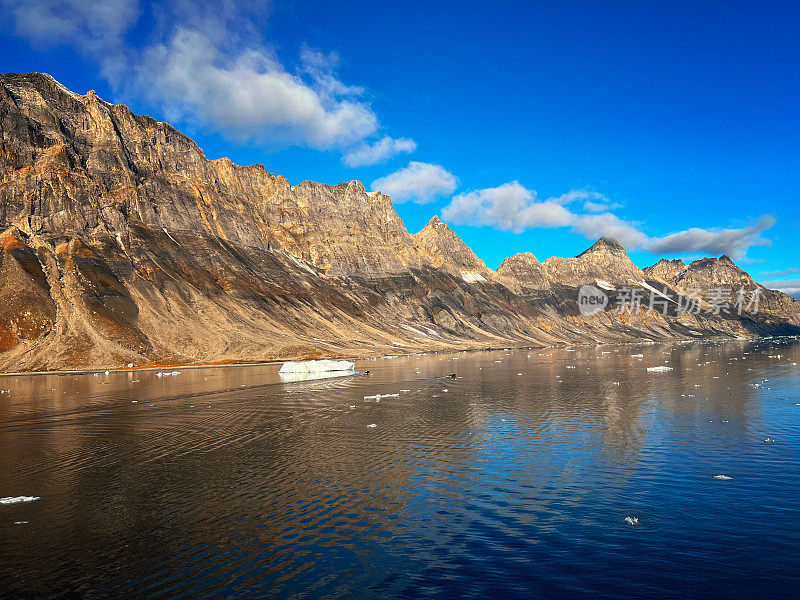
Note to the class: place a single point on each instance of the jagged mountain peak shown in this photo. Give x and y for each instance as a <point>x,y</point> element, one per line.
<point>605,244</point>
<point>132,247</point>
<point>665,270</point>
<point>444,248</point>
<point>525,269</point>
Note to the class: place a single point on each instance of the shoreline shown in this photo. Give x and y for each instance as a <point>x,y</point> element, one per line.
<point>229,364</point>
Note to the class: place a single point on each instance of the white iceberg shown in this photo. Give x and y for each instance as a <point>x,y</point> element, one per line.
<point>19,499</point>
<point>317,366</point>
<point>315,369</point>
<point>658,369</point>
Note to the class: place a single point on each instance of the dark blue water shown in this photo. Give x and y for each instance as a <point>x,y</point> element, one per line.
<point>512,481</point>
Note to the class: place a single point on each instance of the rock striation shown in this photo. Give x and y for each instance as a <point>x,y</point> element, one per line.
<point>121,243</point>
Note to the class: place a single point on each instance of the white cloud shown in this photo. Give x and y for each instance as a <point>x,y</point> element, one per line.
<point>733,242</point>
<point>84,22</point>
<point>94,28</point>
<point>205,62</point>
<point>512,207</point>
<point>250,96</point>
<point>419,182</point>
<point>509,207</point>
<point>377,152</point>
<point>611,226</point>
<point>784,273</point>
<point>789,286</point>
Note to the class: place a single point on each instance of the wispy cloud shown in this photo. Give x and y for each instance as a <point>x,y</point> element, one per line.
<point>784,273</point>
<point>418,182</point>
<point>513,207</point>
<point>206,63</point>
<point>789,286</point>
<point>377,152</point>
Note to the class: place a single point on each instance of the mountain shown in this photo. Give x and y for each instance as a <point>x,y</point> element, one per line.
<point>445,250</point>
<point>606,261</point>
<point>121,243</point>
<point>525,270</point>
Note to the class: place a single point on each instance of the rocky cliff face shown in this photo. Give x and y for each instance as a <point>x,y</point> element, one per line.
<point>445,250</point>
<point>606,261</point>
<point>666,271</point>
<point>524,270</point>
<point>122,244</point>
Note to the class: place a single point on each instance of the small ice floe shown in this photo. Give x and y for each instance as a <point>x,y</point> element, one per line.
<point>632,521</point>
<point>134,402</point>
<point>352,406</point>
<point>660,369</point>
<point>167,373</point>
<point>379,396</point>
<point>405,391</point>
<point>769,440</point>
<point>637,355</point>
<point>19,499</point>
<point>571,367</point>
<point>20,522</point>
<point>5,391</point>
<point>723,477</point>
<point>372,425</point>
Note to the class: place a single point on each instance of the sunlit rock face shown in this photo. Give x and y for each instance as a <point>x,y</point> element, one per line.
<point>525,270</point>
<point>606,260</point>
<point>123,244</point>
<point>442,247</point>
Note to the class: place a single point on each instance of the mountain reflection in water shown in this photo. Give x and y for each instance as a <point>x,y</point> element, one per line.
<point>516,478</point>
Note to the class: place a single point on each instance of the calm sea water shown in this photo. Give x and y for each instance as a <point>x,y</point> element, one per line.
<point>513,480</point>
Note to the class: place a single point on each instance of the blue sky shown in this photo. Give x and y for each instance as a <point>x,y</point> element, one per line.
<point>527,126</point>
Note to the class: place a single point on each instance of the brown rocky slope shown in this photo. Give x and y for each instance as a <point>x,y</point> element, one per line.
<point>122,244</point>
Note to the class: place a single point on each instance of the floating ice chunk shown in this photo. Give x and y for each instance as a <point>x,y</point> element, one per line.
<point>723,477</point>
<point>405,391</point>
<point>20,522</point>
<point>315,369</point>
<point>660,369</point>
<point>769,440</point>
<point>372,425</point>
<point>19,499</point>
<point>632,521</point>
<point>352,406</point>
<point>637,355</point>
<point>317,366</point>
<point>379,396</point>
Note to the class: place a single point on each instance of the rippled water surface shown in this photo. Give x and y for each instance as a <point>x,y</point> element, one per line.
<point>513,480</point>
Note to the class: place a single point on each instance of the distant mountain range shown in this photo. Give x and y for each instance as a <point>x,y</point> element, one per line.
<point>122,244</point>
